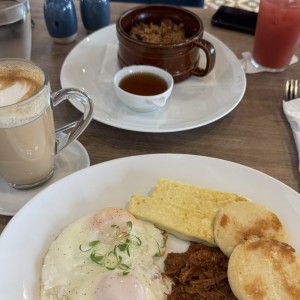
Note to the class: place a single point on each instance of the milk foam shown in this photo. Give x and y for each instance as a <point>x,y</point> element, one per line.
<point>14,93</point>
<point>18,82</point>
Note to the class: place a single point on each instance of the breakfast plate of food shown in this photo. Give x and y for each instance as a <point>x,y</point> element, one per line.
<point>109,224</point>
<point>194,102</point>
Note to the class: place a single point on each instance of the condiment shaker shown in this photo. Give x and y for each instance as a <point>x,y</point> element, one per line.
<point>61,20</point>
<point>95,14</point>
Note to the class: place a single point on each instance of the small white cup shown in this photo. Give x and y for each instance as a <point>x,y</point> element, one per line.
<point>140,103</point>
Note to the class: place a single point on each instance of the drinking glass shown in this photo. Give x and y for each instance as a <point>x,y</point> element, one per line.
<point>28,139</point>
<point>15,29</point>
<point>277,34</point>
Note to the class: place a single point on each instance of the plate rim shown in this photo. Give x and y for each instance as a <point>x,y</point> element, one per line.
<point>151,156</point>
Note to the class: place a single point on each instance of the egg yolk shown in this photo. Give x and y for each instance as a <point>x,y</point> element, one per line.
<point>118,287</point>
<point>105,218</point>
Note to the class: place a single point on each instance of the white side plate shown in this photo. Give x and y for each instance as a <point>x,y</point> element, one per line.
<point>194,102</point>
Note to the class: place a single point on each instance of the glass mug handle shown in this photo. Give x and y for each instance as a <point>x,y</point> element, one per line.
<point>210,54</point>
<point>77,127</point>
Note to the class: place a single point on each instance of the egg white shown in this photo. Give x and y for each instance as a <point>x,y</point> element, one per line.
<point>68,272</point>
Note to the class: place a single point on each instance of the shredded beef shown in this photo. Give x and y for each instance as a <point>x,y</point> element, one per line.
<point>199,273</point>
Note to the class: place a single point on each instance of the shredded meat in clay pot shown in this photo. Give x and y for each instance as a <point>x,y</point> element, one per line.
<point>199,273</point>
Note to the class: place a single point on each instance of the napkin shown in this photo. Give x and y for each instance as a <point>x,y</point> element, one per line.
<point>249,68</point>
<point>292,112</point>
<point>109,66</point>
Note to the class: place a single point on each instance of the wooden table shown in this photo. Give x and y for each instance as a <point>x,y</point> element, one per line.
<point>255,134</point>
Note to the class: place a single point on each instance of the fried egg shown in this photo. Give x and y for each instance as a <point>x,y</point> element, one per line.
<point>109,255</point>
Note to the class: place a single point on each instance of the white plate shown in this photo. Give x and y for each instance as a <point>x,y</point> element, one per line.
<point>26,238</point>
<point>191,104</point>
<point>69,160</point>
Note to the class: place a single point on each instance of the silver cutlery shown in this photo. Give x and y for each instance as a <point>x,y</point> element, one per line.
<point>291,110</point>
<point>291,90</point>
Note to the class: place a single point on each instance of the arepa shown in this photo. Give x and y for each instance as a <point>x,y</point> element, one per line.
<point>265,270</point>
<point>238,222</point>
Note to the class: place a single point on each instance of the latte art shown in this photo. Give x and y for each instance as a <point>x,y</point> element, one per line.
<point>13,90</point>
<point>18,82</point>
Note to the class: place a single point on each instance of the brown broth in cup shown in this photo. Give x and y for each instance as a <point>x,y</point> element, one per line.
<point>143,84</point>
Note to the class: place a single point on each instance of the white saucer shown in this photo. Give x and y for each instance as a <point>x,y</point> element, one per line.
<point>194,102</point>
<point>69,160</point>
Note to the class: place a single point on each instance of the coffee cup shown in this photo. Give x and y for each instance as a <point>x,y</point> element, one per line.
<point>15,29</point>
<point>29,141</point>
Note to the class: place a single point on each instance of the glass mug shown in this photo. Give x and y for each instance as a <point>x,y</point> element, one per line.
<point>277,34</point>
<point>15,29</point>
<point>28,137</point>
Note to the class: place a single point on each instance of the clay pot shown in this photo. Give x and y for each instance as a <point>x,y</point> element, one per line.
<point>182,59</point>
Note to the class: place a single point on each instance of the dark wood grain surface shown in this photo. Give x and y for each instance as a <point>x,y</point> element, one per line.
<point>255,133</point>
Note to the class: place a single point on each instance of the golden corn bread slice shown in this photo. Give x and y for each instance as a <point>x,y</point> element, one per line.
<point>184,223</point>
<point>192,196</point>
<point>185,210</point>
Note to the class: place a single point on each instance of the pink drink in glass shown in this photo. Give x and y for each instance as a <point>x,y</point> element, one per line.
<point>277,33</point>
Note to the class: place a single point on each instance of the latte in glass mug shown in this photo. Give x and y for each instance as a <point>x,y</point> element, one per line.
<point>27,131</point>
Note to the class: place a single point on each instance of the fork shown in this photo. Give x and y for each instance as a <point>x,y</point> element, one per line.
<point>291,89</point>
